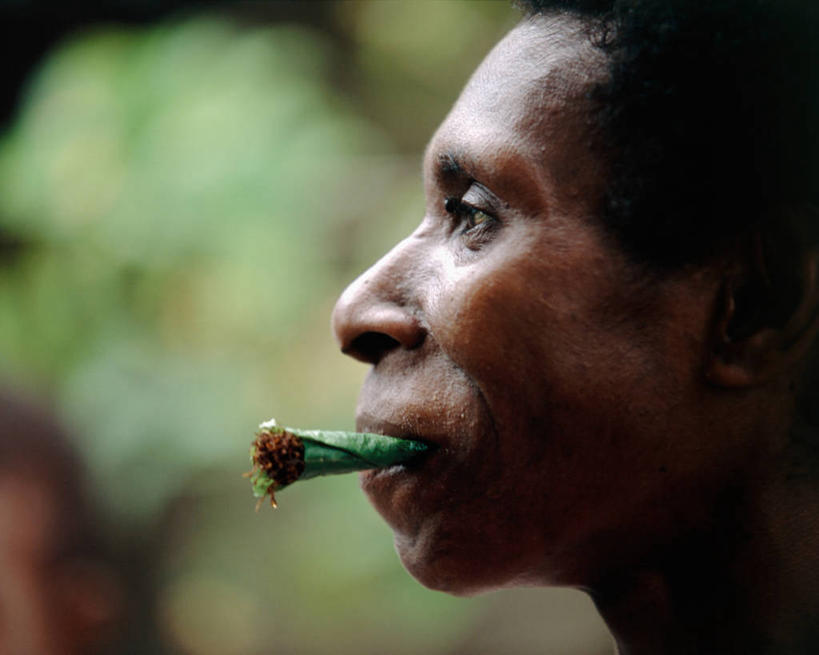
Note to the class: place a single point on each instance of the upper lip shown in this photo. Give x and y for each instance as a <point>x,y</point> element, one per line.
<point>366,422</point>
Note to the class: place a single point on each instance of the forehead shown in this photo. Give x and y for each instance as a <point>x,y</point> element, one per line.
<point>525,104</point>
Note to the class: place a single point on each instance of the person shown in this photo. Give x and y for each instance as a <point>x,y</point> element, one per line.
<point>605,325</point>
<point>59,594</point>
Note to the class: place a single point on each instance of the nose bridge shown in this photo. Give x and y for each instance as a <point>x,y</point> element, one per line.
<point>380,310</point>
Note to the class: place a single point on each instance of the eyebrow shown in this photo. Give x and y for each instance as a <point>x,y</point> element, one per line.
<point>448,164</point>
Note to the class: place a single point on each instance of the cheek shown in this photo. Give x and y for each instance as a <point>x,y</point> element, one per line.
<point>557,357</point>
<point>572,367</point>
<point>518,328</point>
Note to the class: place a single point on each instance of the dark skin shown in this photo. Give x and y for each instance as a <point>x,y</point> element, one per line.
<point>597,426</point>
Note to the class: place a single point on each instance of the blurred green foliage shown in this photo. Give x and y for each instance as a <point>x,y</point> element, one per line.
<point>179,207</point>
<point>168,180</point>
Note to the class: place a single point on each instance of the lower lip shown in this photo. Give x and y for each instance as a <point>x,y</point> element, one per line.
<point>387,487</point>
<point>404,495</point>
<point>377,479</point>
<point>392,474</point>
<point>411,466</point>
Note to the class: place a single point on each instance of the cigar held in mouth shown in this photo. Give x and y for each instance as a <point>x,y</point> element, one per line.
<point>281,455</point>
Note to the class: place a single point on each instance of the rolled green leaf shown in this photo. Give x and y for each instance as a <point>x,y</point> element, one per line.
<point>280,455</point>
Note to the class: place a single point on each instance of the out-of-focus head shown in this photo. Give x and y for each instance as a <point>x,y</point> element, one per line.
<point>601,318</point>
<point>56,593</point>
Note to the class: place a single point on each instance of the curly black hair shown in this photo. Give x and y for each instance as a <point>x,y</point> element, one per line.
<point>710,120</point>
<point>710,113</point>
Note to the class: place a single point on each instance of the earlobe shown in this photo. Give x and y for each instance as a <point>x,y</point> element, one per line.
<point>756,356</point>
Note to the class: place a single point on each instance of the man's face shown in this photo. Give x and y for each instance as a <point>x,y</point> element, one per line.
<point>559,385</point>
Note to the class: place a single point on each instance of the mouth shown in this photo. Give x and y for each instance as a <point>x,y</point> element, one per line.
<point>366,422</point>
<point>377,481</point>
<point>405,494</point>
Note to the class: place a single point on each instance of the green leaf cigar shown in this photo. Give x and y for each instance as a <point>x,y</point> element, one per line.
<point>281,455</point>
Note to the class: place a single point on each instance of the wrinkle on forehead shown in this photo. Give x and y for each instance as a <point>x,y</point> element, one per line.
<point>531,89</point>
<point>544,61</point>
<point>529,98</point>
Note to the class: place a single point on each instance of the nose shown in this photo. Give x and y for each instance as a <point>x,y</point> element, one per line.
<point>376,314</point>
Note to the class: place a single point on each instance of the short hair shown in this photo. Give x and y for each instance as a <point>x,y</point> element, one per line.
<point>709,119</point>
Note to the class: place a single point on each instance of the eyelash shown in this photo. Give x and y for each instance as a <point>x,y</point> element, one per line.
<point>466,212</point>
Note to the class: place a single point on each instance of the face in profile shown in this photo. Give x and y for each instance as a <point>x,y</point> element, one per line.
<point>510,331</point>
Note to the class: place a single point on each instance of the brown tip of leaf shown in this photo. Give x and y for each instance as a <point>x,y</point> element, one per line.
<point>280,455</point>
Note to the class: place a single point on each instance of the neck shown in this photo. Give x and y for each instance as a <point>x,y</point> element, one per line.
<point>748,583</point>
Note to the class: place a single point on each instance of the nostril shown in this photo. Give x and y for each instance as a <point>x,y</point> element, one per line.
<point>371,346</point>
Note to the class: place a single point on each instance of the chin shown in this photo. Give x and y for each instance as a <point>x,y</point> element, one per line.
<point>424,540</point>
<point>460,565</point>
<point>446,535</point>
<point>439,568</point>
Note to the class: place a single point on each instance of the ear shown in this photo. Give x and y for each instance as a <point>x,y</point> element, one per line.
<point>761,353</point>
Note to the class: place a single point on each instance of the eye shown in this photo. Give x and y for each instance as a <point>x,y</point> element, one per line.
<point>476,217</point>
<point>472,216</point>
